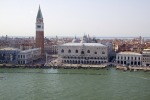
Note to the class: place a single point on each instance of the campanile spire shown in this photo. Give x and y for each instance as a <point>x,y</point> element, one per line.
<point>39,14</point>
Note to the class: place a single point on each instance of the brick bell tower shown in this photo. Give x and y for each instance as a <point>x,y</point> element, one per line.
<point>40,31</point>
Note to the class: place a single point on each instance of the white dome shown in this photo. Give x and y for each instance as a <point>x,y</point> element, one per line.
<point>75,40</point>
<point>83,41</point>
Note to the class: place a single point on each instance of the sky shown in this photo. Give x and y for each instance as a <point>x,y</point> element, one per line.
<point>99,18</point>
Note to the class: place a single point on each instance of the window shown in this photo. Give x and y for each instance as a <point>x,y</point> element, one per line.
<point>103,52</point>
<point>88,51</point>
<point>95,52</point>
<point>82,52</point>
<point>38,26</point>
<point>76,51</point>
<point>62,51</point>
<point>69,51</point>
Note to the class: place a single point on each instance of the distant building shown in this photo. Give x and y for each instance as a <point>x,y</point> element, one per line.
<point>111,52</point>
<point>16,56</point>
<point>54,49</point>
<point>51,49</point>
<point>40,31</point>
<point>28,56</point>
<point>84,39</point>
<point>9,55</point>
<point>146,57</point>
<point>83,52</point>
<point>129,58</point>
<point>26,46</point>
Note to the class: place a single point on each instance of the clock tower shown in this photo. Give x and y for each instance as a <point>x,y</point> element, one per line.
<point>40,31</point>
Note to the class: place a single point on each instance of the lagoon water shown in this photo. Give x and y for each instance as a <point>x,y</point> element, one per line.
<point>73,84</point>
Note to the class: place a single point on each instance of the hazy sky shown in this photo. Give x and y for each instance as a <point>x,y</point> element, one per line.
<point>104,18</point>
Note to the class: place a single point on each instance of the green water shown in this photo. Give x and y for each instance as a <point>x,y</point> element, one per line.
<point>73,84</point>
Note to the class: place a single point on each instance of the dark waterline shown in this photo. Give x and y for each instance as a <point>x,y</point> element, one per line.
<point>73,84</point>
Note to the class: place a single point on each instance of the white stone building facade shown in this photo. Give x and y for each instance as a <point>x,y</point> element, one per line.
<point>50,49</point>
<point>129,58</point>
<point>146,57</point>
<point>28,56</point>
<point>83,53</point>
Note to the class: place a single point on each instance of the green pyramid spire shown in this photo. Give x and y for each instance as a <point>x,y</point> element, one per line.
<point>39,15</point>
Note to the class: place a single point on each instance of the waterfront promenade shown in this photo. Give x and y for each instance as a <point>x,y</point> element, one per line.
<point>75,66</point>
<point>53,65</point>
